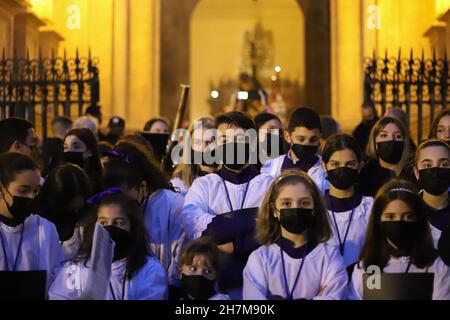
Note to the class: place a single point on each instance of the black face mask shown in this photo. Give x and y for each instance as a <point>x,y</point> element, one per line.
<point>296,220</point>
<point>122,239</point>
<point>390,151</point>
<point>198,287</point>
<point>236,160</point>
<point>304,152</point>
<point>74,158</point>
<point>198,157</point>
<point>400,233</point>
<point>435,180</point>
<point>342,178</point>
<point>21,208</point>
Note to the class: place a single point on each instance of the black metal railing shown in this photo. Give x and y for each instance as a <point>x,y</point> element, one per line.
<point>47,87</point>
<point>420,86</point>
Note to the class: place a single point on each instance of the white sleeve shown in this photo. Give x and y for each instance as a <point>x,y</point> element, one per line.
<point>176,235</point>
<point>52,254</point>
<point>441,287</point>
<point>355,289</point>
<point>255,282</point>
<point>67,284</point>
<point>195,211</point>
<point>153,285</point>
<point>334,281</point>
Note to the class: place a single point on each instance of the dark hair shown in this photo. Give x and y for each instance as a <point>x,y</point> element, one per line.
<point>149,124</point>
<point>66,121</point>
<point>201,246</point>
<point>94,111</point>
<point>11,163</point>
<point>264,117</point>
<point>11,130</point>
<point>143,163</point>
<point>93,165</point>
<point>103,147</point>
<point>329,126</point>
<point>235,118</point>
<point>430,143</point>
<point>340,142</point>
<point>268,228</point>
<point>119,173</point>
<point>139,242</point>
<point>140,140</point>
<point>442,114</point>
<point>376,250</point>
<point>63,184</point>
<point>304,117</point>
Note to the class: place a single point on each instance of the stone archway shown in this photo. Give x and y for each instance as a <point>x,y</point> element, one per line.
<point>175,23</point>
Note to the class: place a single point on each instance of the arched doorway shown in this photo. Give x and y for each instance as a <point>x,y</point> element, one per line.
<point>220,36</point>
<point>175,54</point>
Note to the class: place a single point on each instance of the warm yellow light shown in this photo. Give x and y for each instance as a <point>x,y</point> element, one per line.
<point>43,8</point>
<point>273,78</point>
<point>277,69</point>
<point>214,94</point>
<point>442,6</point>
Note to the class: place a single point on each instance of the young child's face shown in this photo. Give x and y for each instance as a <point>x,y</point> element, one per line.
<point>293,196</point>
<point>433,156</point>
<point>398,210</point>
<point>304,136</point>
<point>201,266</point>
<point>112,215</point>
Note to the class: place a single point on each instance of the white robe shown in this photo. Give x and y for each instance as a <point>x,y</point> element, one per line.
<point>162,219</point>
<point>220,296</point>
<point>441,285</point>
<point>149,283</point>
<point>356,234</point>
<point>207,198</point>
<point>436,234</point>
<point>316,172</point>
<point>40,248</point>
<point>71,246</point>
<point>323,276</point>
<point>179,186</point>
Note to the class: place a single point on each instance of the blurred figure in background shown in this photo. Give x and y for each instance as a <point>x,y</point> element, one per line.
<point>53,148</point>
<point>116,129</point>
<point>362,131</point>
<point>329,128</point>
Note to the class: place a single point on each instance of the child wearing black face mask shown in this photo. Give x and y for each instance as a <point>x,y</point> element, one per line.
<point>196,151</point>
<point>389,153</point>
<point>62,200</point>
<point>432,170</point>
<point>198,267</point>
<point>303,135</point>
<point>80,148</point>
<point>399,241</point>
<point>223,205</point>
<point>135,274</point>
<point>347,208</point>
<point>294,261</point>
<point>27,242</point>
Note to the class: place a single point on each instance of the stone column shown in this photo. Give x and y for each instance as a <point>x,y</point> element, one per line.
<point>8,9</point>
<point>446,19</point>
<point>26,34</point>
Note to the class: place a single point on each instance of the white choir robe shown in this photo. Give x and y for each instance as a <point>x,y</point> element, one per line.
<point>207,198</point>
<point>149,283</point>
<point>316,172</point>
<point>357,232</point>
<point>220,296</point>
<point>323,276</point>
<point>162,219</point>
<point>435,234</point>
<point>72,245</point>
<point>40,250</point>
<point>441,284</point>
<point>179,186</point>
